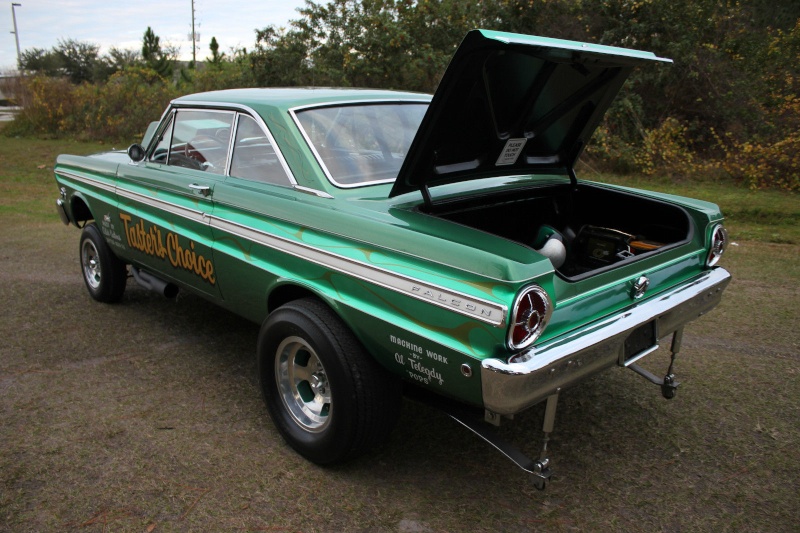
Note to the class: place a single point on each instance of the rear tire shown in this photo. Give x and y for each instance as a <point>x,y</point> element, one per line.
<point>104,274</point>
<point>330,400</point>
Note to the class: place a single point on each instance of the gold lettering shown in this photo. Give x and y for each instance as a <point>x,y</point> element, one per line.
<point>150,242</point>
<point>173,249</point>
<point>125,219</point>
<point>208,275</point>
<point>188,259</point>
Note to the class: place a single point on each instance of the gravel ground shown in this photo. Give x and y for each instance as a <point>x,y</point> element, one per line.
<point>146,416</point>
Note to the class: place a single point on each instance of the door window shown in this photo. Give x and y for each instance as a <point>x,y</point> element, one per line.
<point>196,139</point>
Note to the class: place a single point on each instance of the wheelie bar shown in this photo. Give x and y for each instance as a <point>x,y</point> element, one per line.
<point>539,469</point>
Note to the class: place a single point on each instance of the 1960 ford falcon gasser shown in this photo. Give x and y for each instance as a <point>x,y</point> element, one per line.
<point>383,238</point>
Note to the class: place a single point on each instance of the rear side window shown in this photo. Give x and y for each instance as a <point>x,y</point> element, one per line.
<point>254,157</point>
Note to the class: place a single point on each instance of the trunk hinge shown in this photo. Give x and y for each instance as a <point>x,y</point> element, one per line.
<point>426,195</point>
<point>573,178</point>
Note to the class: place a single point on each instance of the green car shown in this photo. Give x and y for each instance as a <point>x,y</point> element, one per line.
<point>392,242</point>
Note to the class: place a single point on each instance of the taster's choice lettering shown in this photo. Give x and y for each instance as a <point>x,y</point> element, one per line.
<point>167,246</point>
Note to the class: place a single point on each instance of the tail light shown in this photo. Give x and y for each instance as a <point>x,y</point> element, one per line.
<point>719,242</point>
<point>532,310</point>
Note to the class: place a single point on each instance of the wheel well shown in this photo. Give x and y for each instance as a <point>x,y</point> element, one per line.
<point>285,294</point>
<point>80,211</point>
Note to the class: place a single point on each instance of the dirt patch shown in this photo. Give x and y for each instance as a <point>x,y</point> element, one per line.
<point>146,416</point>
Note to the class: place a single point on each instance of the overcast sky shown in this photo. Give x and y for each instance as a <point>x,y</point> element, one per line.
<point>41,23</point>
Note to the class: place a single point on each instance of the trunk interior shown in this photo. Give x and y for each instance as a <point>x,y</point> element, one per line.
<point>583,230</point>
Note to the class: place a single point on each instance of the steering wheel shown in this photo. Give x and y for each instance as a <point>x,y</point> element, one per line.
<point>182,160</point>
<point>195,147</point>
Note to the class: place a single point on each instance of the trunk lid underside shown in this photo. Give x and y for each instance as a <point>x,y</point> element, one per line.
<point>513,104</point>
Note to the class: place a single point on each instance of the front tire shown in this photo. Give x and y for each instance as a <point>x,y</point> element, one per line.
<point>104,274</point>
<point>330,400</point>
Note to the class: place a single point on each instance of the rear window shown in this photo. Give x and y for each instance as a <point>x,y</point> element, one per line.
<point>361,144</point>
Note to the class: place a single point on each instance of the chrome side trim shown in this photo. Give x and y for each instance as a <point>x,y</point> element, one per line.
<point>476,308</point>
<point>88,181</point>
<point>185,212</point>
<point>423,99</point>
<point>509,388</point>
<point>313,192</point>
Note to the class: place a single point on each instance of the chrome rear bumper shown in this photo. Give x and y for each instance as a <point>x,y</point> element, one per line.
<point>509,388</point>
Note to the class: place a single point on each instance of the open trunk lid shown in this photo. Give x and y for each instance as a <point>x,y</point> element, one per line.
<point>512,104</point>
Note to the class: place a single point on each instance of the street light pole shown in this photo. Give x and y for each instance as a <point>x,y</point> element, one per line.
<point>16,32</point>
<point>194,41</point>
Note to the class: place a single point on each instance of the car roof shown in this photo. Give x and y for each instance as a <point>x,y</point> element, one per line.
<point>288,98</point>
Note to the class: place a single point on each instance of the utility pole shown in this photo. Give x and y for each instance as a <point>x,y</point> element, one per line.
<point>16,32</point>
<point>194,41</point>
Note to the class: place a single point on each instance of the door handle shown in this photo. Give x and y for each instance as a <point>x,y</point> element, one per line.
<point>203,190</point>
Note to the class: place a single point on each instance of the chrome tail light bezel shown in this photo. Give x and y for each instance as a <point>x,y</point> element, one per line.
<point>719,243</point>
<point>530,315</point>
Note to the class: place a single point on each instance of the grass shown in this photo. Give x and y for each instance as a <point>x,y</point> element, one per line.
<point>146,416</point>
<point>27,187</point>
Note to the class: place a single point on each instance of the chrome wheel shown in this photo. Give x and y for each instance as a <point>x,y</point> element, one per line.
<point>104,274</point>
<point>91,264</point>
<point>307,357</point>
<point>303,384</point>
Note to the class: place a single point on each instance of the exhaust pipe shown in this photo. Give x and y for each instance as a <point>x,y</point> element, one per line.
<point>152,283</point>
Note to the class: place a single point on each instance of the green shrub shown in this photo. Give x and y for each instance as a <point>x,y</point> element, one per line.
<point>669,150</point>
<point>46,102</point>
<point>218,76</point>
<point>766,165</point>
<point>122,108</point>
<point>118,110</point>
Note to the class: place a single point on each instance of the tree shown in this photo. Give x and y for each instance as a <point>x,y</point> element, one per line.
<point>41,61</point>
<point>154,57</point>
<point>365,43</point>
<point>216,57</point>
<point>78,59</point>
<point>122,58</point>
<point>281,58</point>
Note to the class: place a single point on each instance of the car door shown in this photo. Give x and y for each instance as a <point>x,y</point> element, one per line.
<point>251,213</point>
<point>165,200</point>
